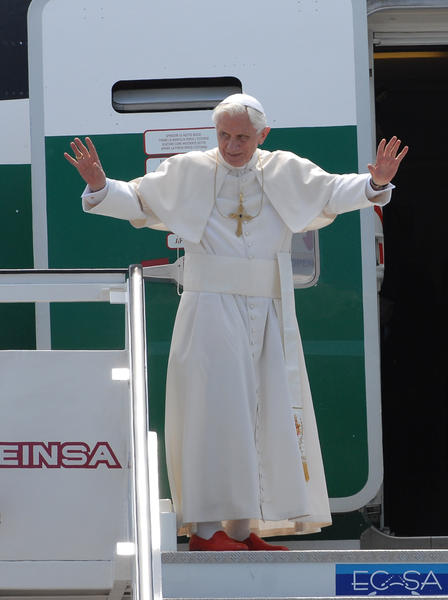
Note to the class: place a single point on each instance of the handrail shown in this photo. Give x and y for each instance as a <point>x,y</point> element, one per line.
<point>62,271</point>
<point>109,285</point>
<point>62,285</point>
<point>146,585</point>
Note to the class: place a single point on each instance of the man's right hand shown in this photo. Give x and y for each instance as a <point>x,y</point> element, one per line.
<point>88,164</point>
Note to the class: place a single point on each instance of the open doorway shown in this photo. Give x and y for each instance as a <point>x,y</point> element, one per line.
<point>411,96</point>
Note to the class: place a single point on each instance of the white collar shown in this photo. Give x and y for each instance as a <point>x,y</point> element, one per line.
<point>249,165</point>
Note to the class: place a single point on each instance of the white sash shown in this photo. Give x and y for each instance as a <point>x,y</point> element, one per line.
<point>231,275</point>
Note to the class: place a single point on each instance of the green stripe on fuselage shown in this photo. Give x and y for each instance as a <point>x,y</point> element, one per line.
<point>17,323</point>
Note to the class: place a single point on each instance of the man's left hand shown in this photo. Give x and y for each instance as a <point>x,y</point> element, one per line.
<point>387,161</point>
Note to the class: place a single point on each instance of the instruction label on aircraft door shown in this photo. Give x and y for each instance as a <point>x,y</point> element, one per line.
<point>163,143</point>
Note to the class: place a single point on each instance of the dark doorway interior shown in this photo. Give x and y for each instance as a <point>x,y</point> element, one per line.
<point>13,49</point>
<point>412,102</point>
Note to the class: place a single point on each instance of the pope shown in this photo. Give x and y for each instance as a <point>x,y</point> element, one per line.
<point>243,453</point>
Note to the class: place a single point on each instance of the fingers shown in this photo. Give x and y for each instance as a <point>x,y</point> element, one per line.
<point>71,160</point>
<point>80,150</point>
<point>381,145</point>
<point>391,148</point>
<point>402,154</point>
<point>394,147</point>
<point>82,153</point>
<point>92,150</point>
<point>78,147</point>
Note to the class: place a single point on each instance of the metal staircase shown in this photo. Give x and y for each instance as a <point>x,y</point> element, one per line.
<point>126,543</point>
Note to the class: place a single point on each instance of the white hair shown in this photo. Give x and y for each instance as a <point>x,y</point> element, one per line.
<point>257,118</point>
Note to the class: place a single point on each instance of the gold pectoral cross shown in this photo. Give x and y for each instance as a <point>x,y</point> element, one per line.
<point>240,216</point>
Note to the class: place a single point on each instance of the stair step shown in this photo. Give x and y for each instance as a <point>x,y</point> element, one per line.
<point>317,598</point>
<point>312,574</point>
<point>305,574</point>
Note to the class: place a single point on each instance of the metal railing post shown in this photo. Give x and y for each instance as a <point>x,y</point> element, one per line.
<point>147,583</point>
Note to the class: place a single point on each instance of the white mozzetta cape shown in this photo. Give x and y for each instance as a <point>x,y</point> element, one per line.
<point>179,196</point>
<point>232,448</point>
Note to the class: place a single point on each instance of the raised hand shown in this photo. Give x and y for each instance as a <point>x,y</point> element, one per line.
<point>88,164</point>
<point>387,161</point>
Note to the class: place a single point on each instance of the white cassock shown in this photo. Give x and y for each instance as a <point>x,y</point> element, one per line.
<point>232,445</point>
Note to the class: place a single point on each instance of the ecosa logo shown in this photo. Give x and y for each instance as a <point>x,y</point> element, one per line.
<point>56,455</point>
<point>409,581</point>
<point>392,579</point>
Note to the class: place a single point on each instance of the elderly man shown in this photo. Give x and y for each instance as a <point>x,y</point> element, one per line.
<point>241,464</point>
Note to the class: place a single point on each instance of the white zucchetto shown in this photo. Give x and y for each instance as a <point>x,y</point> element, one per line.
<point>244,100</point>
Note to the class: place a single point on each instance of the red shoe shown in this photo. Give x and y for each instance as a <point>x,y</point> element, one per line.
<point>219,542</point>
<point>253,542</point>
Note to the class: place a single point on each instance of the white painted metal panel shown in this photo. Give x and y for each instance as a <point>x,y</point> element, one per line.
<point>80,49</point>
<point>15,138</point>
<point>56,503</point>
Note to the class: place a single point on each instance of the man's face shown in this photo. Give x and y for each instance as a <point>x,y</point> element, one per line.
<point>238,139</point>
